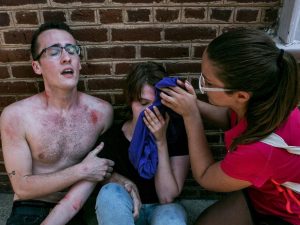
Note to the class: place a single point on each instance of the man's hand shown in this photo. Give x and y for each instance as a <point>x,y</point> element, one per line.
<point>95,168</point>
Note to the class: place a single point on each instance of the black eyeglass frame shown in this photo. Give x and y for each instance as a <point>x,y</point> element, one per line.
<point>76,47</point>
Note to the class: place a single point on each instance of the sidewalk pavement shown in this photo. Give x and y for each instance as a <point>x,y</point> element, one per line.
<point>193,207</point>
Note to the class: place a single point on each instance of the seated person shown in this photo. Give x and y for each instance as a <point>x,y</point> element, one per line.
<point>114,205</point>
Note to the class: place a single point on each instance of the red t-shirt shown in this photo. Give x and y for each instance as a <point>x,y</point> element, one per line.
<point>260,163</point>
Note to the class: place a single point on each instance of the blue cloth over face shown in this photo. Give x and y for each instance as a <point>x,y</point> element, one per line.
<point>143,150</point>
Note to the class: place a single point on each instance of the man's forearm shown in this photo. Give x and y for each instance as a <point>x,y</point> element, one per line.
<point>70,205</point>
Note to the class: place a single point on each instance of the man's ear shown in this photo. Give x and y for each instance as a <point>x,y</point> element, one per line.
<point>36,67</point>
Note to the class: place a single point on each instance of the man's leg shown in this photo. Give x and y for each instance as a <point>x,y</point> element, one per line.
<point>114,205</point>
<point>172,213</point>
<point>29,212</point>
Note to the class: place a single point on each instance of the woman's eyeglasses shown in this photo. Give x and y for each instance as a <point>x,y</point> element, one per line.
<point>55,51</point>
<point>204,89</point>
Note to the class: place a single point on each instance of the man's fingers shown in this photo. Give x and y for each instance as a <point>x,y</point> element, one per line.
<point>97,149</point>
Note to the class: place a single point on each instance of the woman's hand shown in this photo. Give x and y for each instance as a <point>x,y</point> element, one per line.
<point>182,101</point>
<point>156,123</point>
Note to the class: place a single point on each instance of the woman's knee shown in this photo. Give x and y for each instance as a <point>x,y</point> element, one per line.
<point>112,193</point>
<point>172,213</point>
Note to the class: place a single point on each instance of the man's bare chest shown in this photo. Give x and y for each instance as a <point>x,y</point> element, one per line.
<point>59,139</point>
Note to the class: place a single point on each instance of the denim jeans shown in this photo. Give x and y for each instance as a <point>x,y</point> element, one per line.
<point>115,206</point>
<point>33,212</point>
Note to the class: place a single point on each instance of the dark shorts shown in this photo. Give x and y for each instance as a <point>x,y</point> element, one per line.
<point>262,219</point>
<point>34,212</point>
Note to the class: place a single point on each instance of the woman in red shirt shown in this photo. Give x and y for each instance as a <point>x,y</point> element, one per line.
<point>253,90</point>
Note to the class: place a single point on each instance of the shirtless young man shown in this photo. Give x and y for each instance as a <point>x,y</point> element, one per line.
<point>47,138</point>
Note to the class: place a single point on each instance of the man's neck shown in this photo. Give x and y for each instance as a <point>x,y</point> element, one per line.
<point>61,100</point>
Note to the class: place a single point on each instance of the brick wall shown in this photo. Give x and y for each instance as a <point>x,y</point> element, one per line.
<point>116,34</point>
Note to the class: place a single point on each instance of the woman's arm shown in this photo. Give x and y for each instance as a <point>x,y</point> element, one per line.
<point>217,115</point>
<point>206,171</point>
<point>171,172</point>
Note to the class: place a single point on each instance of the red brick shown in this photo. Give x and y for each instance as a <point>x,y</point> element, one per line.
<point>83,15</point>
<point>18,87</point>
<point>140,15</point>
<point>167,15</point>
<point>3,71</point>
<point>110,16</point>
<point>56,15</point>
<point>112,52</point>
<point>14,55</point>
<point>81,86</point>
<point>164,52</point>
<point>4,19</point>
<point>136,1</point>
<point>221,14</point>
<point>124,68</point>
<point>6,100</point>
<point>104,96</point>
<point>270,15</point>
<point>18,37</point>
<point>104,84</point>
<point>253,1</point>
<point>137,34</point>
<point>190,33</point>
<point>21,2</point>
<point>247,15</point>
<point>196,1</point>
<point>81,1</point>
<point>184,67</point>
<point>198,51</point>
<point>192,13</point>
<point>24,17</point>
<point>91,35</point>
<point>95,69</point>
<point>119,99</point>
<point>23,72</point>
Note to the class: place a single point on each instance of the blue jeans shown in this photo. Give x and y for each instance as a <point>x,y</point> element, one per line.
<point>115,206</point>
<point>32,212</point>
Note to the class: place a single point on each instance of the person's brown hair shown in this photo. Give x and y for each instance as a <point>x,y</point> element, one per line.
<point>248,60</point>
<point>44,27</point>
<point>143,73</point>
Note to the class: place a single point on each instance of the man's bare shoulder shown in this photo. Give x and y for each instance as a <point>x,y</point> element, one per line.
<point>22,106</point>
<point>16,114</point>
<point>96,103</point>
<point>101,110</point>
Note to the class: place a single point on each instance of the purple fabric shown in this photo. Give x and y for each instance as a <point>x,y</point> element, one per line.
<point>143,150</point>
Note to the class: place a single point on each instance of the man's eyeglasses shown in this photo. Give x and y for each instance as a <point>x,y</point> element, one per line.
<point>55,51</point>
<point>204,89</point>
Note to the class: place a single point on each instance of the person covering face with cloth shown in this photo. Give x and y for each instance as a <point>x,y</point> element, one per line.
<point>253,89</point>
<point>158,193</point>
